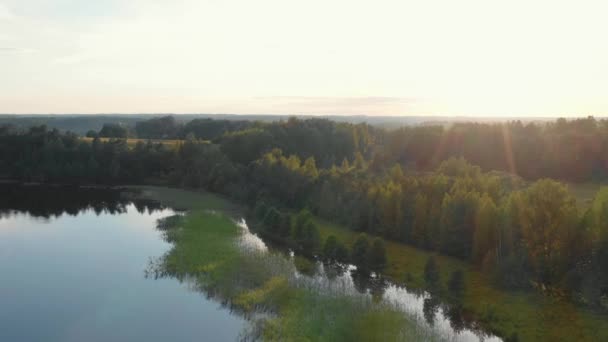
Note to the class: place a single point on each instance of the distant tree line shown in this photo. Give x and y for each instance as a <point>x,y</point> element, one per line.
<point>42,155</point>
<point>573,150</point>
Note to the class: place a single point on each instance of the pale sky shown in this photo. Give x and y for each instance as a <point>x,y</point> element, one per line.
<point>380,57</point>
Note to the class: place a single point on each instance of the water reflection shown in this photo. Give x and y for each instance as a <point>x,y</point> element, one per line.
<point>449,320</point>
<point>445,320</point>
<point>71,265</point>
<point>430,309</point>
<point>46,202</point>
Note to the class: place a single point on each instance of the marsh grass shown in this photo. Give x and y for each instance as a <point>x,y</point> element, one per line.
<point>282,303</point>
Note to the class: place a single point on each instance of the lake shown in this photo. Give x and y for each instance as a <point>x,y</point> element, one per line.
<point>74,264</point>
<point>72,268</point>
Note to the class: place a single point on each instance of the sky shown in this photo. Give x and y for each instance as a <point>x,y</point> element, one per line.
<point>380,57</point>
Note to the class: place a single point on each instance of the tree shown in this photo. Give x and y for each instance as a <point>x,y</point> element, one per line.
<point>597,216</point>
<point>456,286</point>
<point>306,233</point>
<point>345,167</point>
<point>285,226</point>
<point>341,253</point>
<point>431,274</point>
<point>91,134</point>
<point>458,222</point>
<point>113,131</point>
<point>359,253</point>
<point>329,248</point>
<point>377,255</point>
<point>272,221</point>
<point>247,145</point>
<point>334,250</point>
<point>458,167</point>
<point>396,173</point>
<point>596,221</point>
<point>260,210</point>
<point>360,163</point>
<point>164,127</point>
<point>486,229</point>
<point>311,238</point>
<point>300,221</point>
<point>310,168</point>
<point>548,224</point>
<point>390,198</point>
<point>420,230</point>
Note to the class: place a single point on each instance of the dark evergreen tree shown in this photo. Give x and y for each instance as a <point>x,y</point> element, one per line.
<point>431,274</point>
<point>377,255</point>
<point>359,254</point>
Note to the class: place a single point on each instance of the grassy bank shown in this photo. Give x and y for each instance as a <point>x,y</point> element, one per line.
<point>533,317</point>
<point>205,251</point>
<point>188,199</point>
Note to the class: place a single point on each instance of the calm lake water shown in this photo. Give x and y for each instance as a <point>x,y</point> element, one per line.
<point>72,269</point>
<point>73,263</point>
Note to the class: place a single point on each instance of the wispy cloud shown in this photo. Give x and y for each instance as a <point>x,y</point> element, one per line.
<point>351,100</point>
<point>15,50</point>
<point>369,105</point>
<point>71,59</point>
<point>6,13</point>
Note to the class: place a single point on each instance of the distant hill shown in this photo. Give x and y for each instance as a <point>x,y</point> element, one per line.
<point>81,123</point>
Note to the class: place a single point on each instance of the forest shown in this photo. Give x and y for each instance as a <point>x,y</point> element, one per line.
<point>491,194</point>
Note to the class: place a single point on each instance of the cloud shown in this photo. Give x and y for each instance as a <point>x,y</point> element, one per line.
<point>337,56</point>
<point>6,13</point>
<point>71,59</point>
<point>343,100</point>
<point>16,50</point>
<point>327,105</point>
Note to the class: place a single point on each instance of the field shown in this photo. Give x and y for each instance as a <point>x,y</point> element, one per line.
<point>133,141</point>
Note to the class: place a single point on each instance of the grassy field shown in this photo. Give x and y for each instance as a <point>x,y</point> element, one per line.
<point>533,317</point>
<point>133,141</point>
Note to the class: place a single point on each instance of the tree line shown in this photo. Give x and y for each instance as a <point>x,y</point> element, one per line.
<point>414,185</point>
<point>301,233</point>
